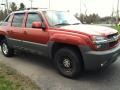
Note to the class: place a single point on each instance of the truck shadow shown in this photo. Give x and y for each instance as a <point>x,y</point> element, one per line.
<point>36,59</point>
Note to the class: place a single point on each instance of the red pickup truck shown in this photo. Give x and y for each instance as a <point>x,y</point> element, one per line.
<point>72,46</point>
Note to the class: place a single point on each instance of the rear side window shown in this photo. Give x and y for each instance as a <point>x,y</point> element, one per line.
<point>32,17</point>
<point>17,20</point>
<point>7,18</point>
<point>6,21</point>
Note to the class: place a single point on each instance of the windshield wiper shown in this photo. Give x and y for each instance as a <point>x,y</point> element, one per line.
<point>76,23</point>
<point>60,24</point>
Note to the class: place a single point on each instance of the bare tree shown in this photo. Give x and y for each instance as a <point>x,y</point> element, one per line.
<point>13,6</point>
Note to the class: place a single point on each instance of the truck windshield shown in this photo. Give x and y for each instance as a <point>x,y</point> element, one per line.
<point>60,18</point>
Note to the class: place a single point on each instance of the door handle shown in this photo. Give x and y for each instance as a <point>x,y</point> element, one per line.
<point>9,31</point>
<point>25,32</point>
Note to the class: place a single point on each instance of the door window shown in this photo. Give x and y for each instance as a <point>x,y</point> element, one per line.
<point>32,17</point>
<point>5,22</point>
<point>17,20</point>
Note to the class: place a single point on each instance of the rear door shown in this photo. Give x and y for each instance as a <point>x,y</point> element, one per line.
<point>15,30</point>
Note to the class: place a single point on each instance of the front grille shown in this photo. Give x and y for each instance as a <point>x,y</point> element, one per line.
<point>111,36</point>
<point>111,44</point>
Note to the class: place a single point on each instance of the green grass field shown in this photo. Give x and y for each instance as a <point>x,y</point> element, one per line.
<point>5,84</point>
<point>10,79</point>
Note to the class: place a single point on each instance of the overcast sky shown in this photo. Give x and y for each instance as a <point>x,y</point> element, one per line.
<point>101,7</point>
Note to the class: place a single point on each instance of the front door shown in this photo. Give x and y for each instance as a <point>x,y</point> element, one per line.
<point>35,38</point>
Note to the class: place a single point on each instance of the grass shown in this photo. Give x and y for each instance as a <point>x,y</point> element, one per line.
<point>10,79</point>
<point>5,84</point>
<point>117,27</point>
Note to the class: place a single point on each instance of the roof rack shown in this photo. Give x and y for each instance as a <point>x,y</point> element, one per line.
<point>35,8</point>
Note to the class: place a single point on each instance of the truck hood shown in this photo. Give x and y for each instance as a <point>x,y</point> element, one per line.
<point>90,29</point>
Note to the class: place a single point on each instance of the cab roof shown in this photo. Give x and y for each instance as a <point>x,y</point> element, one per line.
<point>31,10</point>
<point>34,10</point>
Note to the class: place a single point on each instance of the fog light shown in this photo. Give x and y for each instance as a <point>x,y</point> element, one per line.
<point>102,65</point>
<point>102,46</point>
<point>99,46</point>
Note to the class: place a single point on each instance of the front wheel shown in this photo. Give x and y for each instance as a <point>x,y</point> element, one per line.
<point>6,50</point>
<point>68,62</point>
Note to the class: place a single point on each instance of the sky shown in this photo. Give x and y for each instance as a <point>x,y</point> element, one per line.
<point>100,7</point>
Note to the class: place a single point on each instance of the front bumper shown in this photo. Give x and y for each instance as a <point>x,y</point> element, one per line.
<point>94,60</point>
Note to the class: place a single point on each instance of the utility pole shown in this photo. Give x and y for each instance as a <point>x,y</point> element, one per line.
<point>112,16</point>
<point>3,5</point>
<point>80,5</point>
<point>31,1</point>
<point>117,17</point>
<point>85,9</point>
<point>49,4</point>
<point>7,7</point>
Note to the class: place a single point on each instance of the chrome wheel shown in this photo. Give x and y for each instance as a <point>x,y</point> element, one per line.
<point>66,63</point>
<point>5,48</point>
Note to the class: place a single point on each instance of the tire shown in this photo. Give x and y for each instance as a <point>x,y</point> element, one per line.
<point>6,50</point>
<point>68,62</point>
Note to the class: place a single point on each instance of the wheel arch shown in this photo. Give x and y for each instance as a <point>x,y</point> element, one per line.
<point>55,46</point>
<point>2,37</point>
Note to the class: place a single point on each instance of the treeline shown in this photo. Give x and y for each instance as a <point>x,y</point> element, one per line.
<point>12,7</point>
<point>95,18</point>
<point>89,19</point>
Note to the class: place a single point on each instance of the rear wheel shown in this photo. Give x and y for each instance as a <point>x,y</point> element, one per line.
<point>68,62</point>
<point>6,50</point>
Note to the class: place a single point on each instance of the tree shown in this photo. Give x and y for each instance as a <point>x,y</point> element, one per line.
<point>1,15</point>
<point>76,15</point>
<point>22,6</point>
<point>80,17</point>
<point>13,6</point>
<point>92,18</point>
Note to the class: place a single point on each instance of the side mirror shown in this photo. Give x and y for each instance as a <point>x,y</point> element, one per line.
<point>36,25</point>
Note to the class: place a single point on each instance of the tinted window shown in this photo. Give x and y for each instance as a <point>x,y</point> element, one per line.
<point>17,20</point>
<point>5,22</point>
<point>7,19</point>
<point>32,17</point>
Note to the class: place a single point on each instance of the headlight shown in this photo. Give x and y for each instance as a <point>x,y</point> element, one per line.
<point>99,39</point>
<point>100,42</point>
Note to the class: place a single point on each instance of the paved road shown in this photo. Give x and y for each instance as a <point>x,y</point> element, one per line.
<point>41,70</point>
